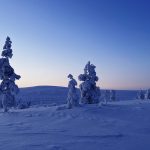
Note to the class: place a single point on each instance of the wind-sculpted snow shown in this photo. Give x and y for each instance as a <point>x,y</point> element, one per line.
<point>122,125</point>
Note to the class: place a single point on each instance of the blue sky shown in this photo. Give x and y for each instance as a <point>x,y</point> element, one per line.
<point>52,38</point>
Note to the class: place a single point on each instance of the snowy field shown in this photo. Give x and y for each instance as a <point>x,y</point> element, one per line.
<point>122,125</point>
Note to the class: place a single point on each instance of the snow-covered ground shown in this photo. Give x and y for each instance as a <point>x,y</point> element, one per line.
<point>123,125</point>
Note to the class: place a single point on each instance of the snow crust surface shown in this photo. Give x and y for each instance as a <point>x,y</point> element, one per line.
<point>123,125</point>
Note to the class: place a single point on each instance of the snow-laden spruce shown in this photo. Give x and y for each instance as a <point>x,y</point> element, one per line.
<point>90,93</point>
<point>72,98</point>
<point>8,88</point>
<point>112,95</point>
<point>107,96</point>
<point>141,95</point>
<point>147,94</point>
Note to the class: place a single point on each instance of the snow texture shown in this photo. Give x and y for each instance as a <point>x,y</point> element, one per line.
<point>120,125</point>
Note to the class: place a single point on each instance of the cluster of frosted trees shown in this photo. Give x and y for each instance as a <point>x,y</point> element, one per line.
<point>90,93</point>
<point>8,88</point>
<point>143,94</point>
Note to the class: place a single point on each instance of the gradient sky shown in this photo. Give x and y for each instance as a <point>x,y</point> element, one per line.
<point>52,38</point>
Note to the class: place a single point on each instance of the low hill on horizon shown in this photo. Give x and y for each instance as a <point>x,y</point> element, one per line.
<point>58,95</point>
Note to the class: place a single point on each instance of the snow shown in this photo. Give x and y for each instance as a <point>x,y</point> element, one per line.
<point>120,125</point>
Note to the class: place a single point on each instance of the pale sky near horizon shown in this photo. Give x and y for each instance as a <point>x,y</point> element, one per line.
<point>52,38</point>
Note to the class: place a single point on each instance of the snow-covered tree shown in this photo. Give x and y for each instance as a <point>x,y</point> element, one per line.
<point>8,88</point>
<point>140,95</point>
<point>107,96</point>
<point>72,98</point>
<point>90,93</point>
<point>112,95</point>
<point>147,94</point>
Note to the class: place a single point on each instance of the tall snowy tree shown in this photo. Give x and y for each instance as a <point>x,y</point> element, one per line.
<point>8,88</point>
<point>90,93</point>
<point>72,99</point>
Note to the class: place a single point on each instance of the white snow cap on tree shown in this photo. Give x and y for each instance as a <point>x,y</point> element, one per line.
<point>7,51</point>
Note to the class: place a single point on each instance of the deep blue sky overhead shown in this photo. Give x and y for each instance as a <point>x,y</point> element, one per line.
<point>52,38</point>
